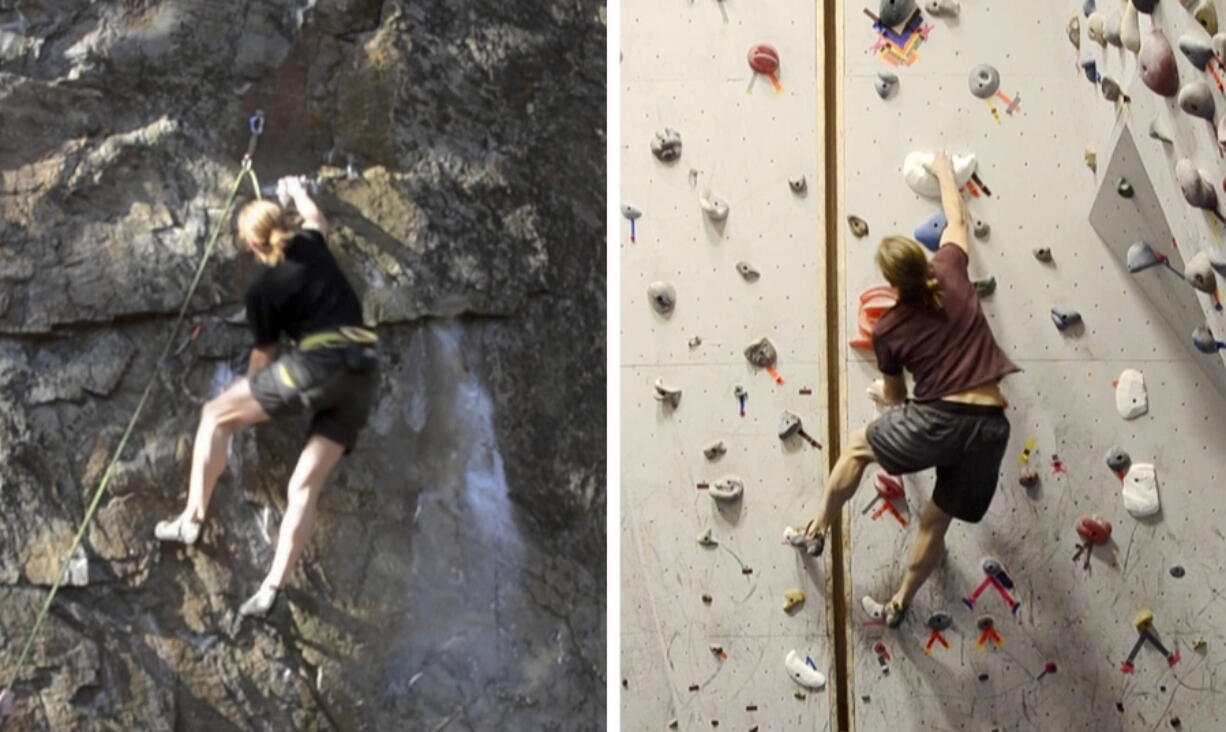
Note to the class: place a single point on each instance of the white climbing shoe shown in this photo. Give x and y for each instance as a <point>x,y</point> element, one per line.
<point>260,603</point>
<point>889,612</point>
<point>181,529</point>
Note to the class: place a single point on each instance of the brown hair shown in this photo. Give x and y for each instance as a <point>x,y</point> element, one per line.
<point>904,265</point>
<point>266,227</point>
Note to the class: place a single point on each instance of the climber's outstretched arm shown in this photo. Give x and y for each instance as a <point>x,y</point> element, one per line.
<point>312,217</point>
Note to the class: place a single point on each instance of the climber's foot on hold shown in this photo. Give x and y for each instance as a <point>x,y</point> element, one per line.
<point>260,603</point>
<point>182,529</point>
<point>891,613</point>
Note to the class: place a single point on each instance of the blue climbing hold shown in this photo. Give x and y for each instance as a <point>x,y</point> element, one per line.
<point>1087,7</point>
<point>1205,341</point>
<point>929,233</point>
<point>1090,66</point>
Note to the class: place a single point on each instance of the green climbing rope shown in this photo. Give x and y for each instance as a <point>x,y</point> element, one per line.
<point>257,127</point>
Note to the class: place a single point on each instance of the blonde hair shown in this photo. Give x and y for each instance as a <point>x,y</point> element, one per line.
<point>904,265</point>
<point>265,226</point>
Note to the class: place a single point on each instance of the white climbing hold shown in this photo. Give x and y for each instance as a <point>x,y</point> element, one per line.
<point>1096,28</point>
<point>802,673</point>
<point>748,272</point>
<point>715,450</point>
<point>667,145</point>
<point>1159,130</point>
<point>794,536</point>
<point>1111,30</point>
<point>1130,29</point>
<point>1131,401</point>
<point>1140,491</point>
<point>925,183</point>
<point>727,488</point>
<point>705,539</point>
<point>885,84</point>
<point>715,208</point>
<point>1196,99</point>
<point>798,185</point>
<point>1199,273</point>
<point>667,395</point>
<point>663,297</point>
<point>942,7</point>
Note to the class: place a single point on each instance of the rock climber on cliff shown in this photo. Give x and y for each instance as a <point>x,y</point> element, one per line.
<point>331,374</point>
<point>955,421</point>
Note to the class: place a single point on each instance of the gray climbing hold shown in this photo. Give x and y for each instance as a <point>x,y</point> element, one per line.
<point>695,342</point>
<point>748,272</point>
<point>1196,99</point>
<point>667,145</point>
<point>1199,273</point>
<point>1065,319</point>
<point>1141,257</point>
<point>667,395</point>
<point>1130,29</point>
<point>859,227</point>
<point>791,425</point>
<point>985,622</point>
<point>715,450</point>
<point>1111,90</point>
<point>893,12</point>
<point>1195,187</point>
<point>663,297</point>
<point>798,185</point>
<point>1111,30</point>
<point>1118,460</point>
<point>984,81</point>
<point>1145,6</point>
<point>715,208</point>
<point>942,8</point>
<point>727,488</point>
<point>991,567</point>
<point>885,83</point>
<point>1043,254</point>
<point>985,288</point>
<point>761,353</point>
<point>940,621</point>
<point>1088,7</point>
<point>705,539</point>
<point>1028,477</point>
<point>1157,62</point>
<point>982,229</point>
<point>1159,131</point>
<point>631,212</point>
<point>1124,188</point>
<point>1178,571</point>
<point>1197,50</point>
<point>1091,159</point>
<point>1096,28</point>
<point>1206,15</point>
<point>1073,28</point>
<point>1205,341</point>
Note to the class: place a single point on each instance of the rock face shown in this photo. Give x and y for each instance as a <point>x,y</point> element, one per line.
<point>456,576</point>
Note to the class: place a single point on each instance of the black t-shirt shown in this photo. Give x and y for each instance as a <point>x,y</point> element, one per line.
<point>304,293</point>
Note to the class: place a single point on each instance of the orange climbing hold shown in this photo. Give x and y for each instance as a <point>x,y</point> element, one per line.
<point>874,302</point>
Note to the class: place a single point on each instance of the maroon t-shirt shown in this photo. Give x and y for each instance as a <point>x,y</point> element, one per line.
<point>947,350</point>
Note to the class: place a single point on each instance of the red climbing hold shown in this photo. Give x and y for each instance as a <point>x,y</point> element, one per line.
<point>1094,529</point>
<point>764,59</point>
<point>874,302</point>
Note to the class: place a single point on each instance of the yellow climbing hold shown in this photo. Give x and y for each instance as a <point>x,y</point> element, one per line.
<point>1025,456</point>
<point>792,599</point>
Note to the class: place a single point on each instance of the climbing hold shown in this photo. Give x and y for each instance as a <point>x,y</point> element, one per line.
<point>705,539</point>
<point>1090,67</point>
<point>1141,256</point>
<point>715,450</point>
<point>695,342</point>
<point>893,12</point>
<point>762,353</point>
<point>1145,6</point>
<point>790,425</point>
<point>1196,99</point>
<point>1094,529</point>
<point>1112,91</point>
<point>1087,7</point>
<point>663,297</point>
<point>1157,61</point>
<point>1199,273</point>
<point>764,59</point>
<point>1111,30</point>
<point>916,173</point>
<point>885,83</point>
<point>798,185</point>
<point>631,212</point>
<point>715,208</point>
<point>1159,131</point>
<point>792,598</point>
<point>1131,400</point>
<point>747,271</point>
<point>1043,254</point>
<point>1218,43</point>
<point>1206,15</point>
<point>929,232</point>
<point>1118,460</point>
<point>985,288</point>
<point>1195,187</point>
<point>706,599</point>
<point>1130,29</point>
<point>942,7</point>
<point>1091,159</point>
<point>727,488</point>
<point>799,668</point>
<point>1028,477</point>
<point>982,229</point>
<point>1096,28</point>
<point>1205,341</point>
<point>1143,620</point>
<point>874,302</point>
<point>1198,51</point>
<point>859,227</point>
<point>1177,571</point>
<point>991,567</point>
<point>1065,319</point>
<point>666,395</point>
<point>939,621</point>
<point>667,145</point>
<point>1140,491</point>
<point>985,623</point>
<point>984,81</point>
<point>1124,188</point>
<point>1074,30</point>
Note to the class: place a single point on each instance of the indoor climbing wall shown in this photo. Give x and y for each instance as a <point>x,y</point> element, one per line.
<point>1050,609</point>
<point>721,248</point>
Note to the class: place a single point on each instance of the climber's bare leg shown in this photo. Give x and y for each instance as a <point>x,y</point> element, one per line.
<point>926,553</point>
<point>844,479</point>
<point>316,463</point>
<point>233,408</point>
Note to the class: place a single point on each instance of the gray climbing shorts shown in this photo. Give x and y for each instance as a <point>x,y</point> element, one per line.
<point>336,386</point>
<point>964,442</point>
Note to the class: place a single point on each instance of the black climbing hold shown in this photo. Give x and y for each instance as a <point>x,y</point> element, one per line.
<point>1175,722</point>
<point>1119,706</point>
<point>1118,460</point>
<point>625,683</point>
<point>985,288</point>
<point>985,622</point>
<point>1177,571</point>
<point>983,677</point>
<point>1145,6</point>
<point>940,621</point>
<point>706,599</point>
<point>893,12</point>
<point>1124,188</point>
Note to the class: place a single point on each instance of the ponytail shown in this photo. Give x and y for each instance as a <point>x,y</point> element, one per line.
<point>932,293</point>
<point>265,227</point>
<point>904,265</point>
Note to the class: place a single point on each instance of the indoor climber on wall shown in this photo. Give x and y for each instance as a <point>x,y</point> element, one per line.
<point>955,421</point>
<point>331,374</point>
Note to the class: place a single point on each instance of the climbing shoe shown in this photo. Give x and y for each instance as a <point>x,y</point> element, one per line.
<point>260,603</point>
<point>181,529</point>
<point>891,612</point>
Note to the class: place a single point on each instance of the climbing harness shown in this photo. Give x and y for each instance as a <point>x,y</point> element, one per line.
<point>256,126</point>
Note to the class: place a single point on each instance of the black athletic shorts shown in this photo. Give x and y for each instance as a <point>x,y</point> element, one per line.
<point>964,442</point>
<point>336,386</point>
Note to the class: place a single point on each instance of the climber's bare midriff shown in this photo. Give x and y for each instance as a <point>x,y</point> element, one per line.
<point>985,394</point>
